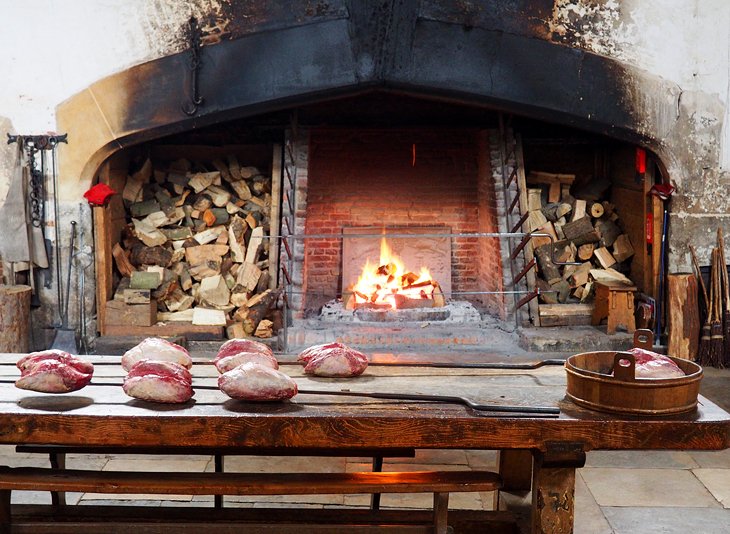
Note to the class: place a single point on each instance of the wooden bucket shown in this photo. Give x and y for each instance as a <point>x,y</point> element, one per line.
<point>591,385</point>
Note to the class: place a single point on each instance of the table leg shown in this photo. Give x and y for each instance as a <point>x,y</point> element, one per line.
<point>377,468</point>
<point>553,489</point>
<point>515,468</point>
<point>218,460</point>
<point>4,511</point>
<point>440,513</point>
<point>58,461</point>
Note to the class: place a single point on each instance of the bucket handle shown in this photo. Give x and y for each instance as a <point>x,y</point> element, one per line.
<point>644,339</point>
<point>624,366</point>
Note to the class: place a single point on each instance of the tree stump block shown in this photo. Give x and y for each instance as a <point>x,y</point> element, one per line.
<point>14,318</point>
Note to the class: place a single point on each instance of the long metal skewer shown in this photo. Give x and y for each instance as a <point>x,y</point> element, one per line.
<point>513,411</point>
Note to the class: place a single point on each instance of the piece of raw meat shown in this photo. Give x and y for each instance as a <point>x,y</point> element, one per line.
<point>333,360</point>
<point>226,363</point>
<point>159,381</point>
<point>161,368</point>
<point>653,365</point>
<point>255,382</point>
<point>32,359</point>
<point>52,376</point>
<point>234,346</point>
<point>154,348</point>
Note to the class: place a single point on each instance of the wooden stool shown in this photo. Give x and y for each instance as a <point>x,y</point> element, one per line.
<point>614,301</point>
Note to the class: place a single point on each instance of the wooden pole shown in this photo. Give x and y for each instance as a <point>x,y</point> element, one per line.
<point>14,318</point>
<point>683,314</point>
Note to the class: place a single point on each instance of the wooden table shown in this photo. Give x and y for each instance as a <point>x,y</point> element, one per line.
<point>105,416</point>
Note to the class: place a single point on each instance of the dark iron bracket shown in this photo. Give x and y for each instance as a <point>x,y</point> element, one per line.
<point>39,142</point>
<point>193,34</point>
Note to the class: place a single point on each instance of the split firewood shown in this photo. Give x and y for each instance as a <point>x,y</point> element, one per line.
<point>249,172</point>
<point>581,231</point>
<point>234,168</point>
<point>198,254</point>
<point>610,275</point>
<point>579,210</point>
<point>259,307</point>
<point>534,199</point>
<point>178,301</point>
<point>549,270</point>
<point>608,230</point>
<point>144,208</point>
<point>148,234</point>
<point>141,255</point>
<point>556,210</point>
<point>215,216</point>
<point>254,245</point>
<point>218,195</point>
<point>260,185</point>
<point>137,296</point>
<point>263,284</point>
<point>264,329</point>
<point>563,290</point>
<point>214,291</point>
<point>622,248</point>
<point>236,236</point>
<point>235,331</point>
<point>239,299</point>
<point>248,276</point>
<point>242,190</point>
<point>145,280</point>
<point>547,295</point>
<point>604,257</point>
<point>222,168</point>
<point>547,228</point>
<point>121,260</point>
<point>587,292</point>
<point>203,180</point>
<point>178,233</point>
<point>536,220</point>
<point>182,316</point>
<point>209,235</point>
<point>204,269</point>
<point>580,275</point>
<point>208,317</point>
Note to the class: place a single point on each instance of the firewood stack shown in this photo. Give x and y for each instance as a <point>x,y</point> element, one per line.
<point>585,228</point>
<point>194,248</point>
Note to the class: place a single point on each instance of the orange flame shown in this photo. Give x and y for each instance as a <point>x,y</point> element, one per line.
<point>379,284</point>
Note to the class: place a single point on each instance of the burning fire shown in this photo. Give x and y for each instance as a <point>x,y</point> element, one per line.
<point>391,284</point>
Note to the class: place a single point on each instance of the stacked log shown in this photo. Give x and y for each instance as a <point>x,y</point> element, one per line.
<point>195,244</point>
<point>585,229</point>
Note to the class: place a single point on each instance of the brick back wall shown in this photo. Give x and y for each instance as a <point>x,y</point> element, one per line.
<point>368,178</point>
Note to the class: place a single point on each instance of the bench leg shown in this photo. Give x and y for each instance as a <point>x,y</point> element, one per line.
<point>515,468</point>
<point>58,461</point>
<point>218,460</point>
<point>440,512</point>
<point>5,512</point>
<point>375,497</point>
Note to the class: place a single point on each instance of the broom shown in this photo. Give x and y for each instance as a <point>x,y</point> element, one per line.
<point>716,344</point>
<point>704,348</point>
<point>725,361</point>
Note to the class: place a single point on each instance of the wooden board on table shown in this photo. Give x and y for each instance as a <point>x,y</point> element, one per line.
<point>173,328</point>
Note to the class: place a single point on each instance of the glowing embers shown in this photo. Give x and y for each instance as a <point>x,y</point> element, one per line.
<point>391,285</point>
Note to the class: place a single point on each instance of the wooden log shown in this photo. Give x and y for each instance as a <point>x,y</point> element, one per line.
<point>622,248</point>
<point>580,276</point>
<point>121,260</point>
<point>683,316</point>
<point>547,228</point>
<point>144,208</point>
<point>578,228</point>
<point>595,209</point>
<point>148,234</point>
<point>556,210</point>
<point>610,276</point>
<point>235,331</point>
<point>549,270</point>
<point>218,195</point>
<point>15,318</point>
<point>565,314</point>
<point>585,252</point>
<point>222,168</point>
<point>588,292</point>
<point>242,190</point>
<point>145,280</point>
<point>254,245</point>
<point>209,235</point>
<point>534,199</point>
<point>141,255</point>
<point>203,180</point>
<point>604,257</point>
<point>214,291</point>
<point>547,295</point>
<point>536,220</point>
<point>248,276</point>
<point>208,317</point>
<point>236,238</point>
<point>264,329</point>
<point>259,307</point>
<point>579,210</point>
<point>234,168</point>
<point>608,230</point>
<point>563,289</point>
<point>198,254</point>
<point>215,216</point>
<point>204,269</point>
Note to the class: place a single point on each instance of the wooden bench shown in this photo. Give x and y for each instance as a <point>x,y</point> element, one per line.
<point>440,483</point>
<point>57,457</point>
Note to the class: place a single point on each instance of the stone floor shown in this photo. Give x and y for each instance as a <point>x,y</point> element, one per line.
<point>622,492</point>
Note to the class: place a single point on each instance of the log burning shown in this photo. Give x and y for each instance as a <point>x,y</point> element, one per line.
<point>390,285</point>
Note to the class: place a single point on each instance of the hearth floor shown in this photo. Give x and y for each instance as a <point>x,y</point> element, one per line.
<point>619,492</point>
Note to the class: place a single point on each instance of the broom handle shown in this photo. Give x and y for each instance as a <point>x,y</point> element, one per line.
<point>723,266</point>
<point>699,275</point>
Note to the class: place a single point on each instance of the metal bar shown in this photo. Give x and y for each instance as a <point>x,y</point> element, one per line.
<point>520,222</point>
<point>527,298</point>
<point>512,175</point>
<point>288,227</point>
<point>519,247</point>
<point>515,202</point>
<point>289,202</point>
<point>289,176</point>
<point>524,271</point>
<point>286,247</point>
<point>286,275</point>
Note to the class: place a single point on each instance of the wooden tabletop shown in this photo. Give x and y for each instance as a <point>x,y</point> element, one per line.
<point>105,416</point>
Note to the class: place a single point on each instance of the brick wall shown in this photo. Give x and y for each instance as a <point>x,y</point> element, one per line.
<point>368,178</point>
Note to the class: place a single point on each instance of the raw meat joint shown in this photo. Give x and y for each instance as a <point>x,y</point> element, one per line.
<point>159,381</point>
<point>234,346</point>
<point>255,382</point>
<point>154,348</point>
<point>653,365</point>
<point>333,360</point>
<point>226,363</point>
<point>53,371</point>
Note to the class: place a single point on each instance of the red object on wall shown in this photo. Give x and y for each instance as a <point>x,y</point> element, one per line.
<point>649,229</point>
<point>640,161</point>
<point>99,195</point>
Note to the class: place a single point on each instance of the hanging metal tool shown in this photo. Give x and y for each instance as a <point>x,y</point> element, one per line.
<point>66,337</point>
<point>193,34</point>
